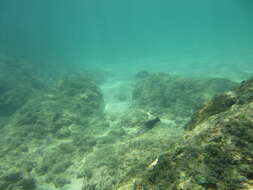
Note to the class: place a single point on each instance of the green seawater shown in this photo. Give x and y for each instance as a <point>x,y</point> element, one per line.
<point>130,35</point>
<point>126,94</point>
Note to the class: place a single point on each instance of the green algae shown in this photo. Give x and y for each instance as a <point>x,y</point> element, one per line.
<point>69,137</point>
<point>16,86</point>
<point>162,93</point>
<point>15,179</point>
<point>214,154</point>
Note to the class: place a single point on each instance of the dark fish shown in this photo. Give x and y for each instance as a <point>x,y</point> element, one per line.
<point>150,124</point>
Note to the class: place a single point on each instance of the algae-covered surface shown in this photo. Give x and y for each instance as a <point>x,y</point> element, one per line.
<point>149,131</point>
<point>214,153</point>
<point>126,95</point>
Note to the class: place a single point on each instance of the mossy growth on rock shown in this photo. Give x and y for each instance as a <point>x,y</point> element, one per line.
<point>217,153</point>
<point>217,105</point>
<point>52,130</point>
<point>17,84</point>
<point>80,93</point>
<point>60,138</point>
<point>71,101</point>
<point>162,93</point>
<point>220,103</point>
<point>14,179</point>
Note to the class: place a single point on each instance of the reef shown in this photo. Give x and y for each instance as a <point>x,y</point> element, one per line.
<point>47,130</point>
<point>173,96</point>
<point>216,151</point>
<point>178,133</point>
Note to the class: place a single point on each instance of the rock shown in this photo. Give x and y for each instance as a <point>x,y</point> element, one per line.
<point>216,151</point>
<point>17,180</point>
<point>165,94</point>
<point>17,84</point>
<point>242,95</point>
<point>67,102</point>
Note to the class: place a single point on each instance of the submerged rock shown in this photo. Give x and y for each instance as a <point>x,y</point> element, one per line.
<point>49,132</point>
<point>165,94</point>
<point>61,138</point>
<point>17,180</point>
<point>242,95</point>
<point>215,153</point>
<point>17,83</point>
<point>71,101</point>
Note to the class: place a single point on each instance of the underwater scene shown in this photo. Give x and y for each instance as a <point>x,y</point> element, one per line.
<point>126,95</point>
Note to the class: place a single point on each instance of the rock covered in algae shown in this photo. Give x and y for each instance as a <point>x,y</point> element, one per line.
<point>162,93</point>
<point>15,179</point>
<point>16,86</point>
<point>215,153</point>
<point>70,101</point>
<point>50,130</point>
<point>222,103</point>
